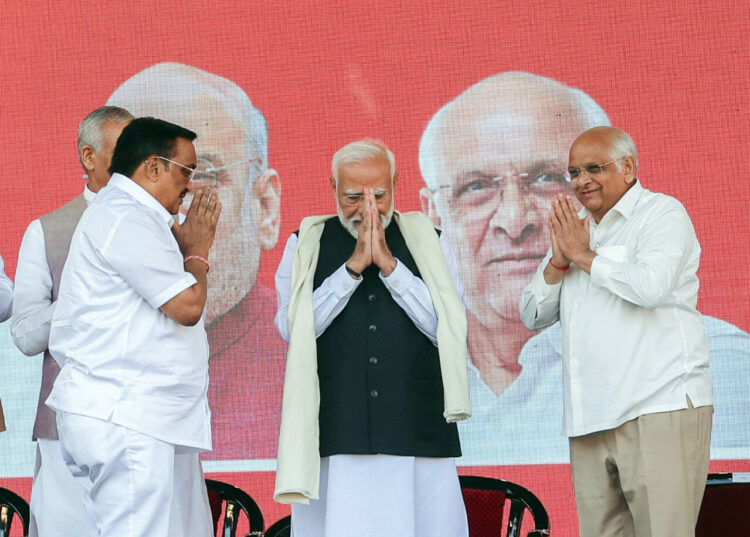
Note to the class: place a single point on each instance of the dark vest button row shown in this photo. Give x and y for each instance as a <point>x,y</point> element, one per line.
<point>372,328</point>
<point>373,360</point>
<point>373,393</point>
<point>371,298</point>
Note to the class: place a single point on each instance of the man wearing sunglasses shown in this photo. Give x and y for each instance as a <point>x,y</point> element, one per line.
<point>131,403</point>
<point>247,354</point>
<point>637,396</point>
<point>56,499</point>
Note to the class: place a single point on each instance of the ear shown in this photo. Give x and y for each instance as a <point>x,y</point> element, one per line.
<point>267,200</point>
<point>332,182</point>
<point>87,157</point>
<point>428,205</point>
<point>628,168</point>
<point>395,180</point>
<point>151,169</point>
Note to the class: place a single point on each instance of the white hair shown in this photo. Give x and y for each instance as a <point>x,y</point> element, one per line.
<point>429,151</point>
<point>360,151</point>
<point>623,146</point>
<point>90,130</point>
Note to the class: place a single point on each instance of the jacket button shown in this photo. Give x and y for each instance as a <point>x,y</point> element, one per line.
<point>371,298</point>
<point>372,328</point>
<point>373,360</point>
<point>373,393</point>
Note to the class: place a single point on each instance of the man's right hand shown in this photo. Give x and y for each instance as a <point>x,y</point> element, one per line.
<point>196,234</point>
<point>362,256</point>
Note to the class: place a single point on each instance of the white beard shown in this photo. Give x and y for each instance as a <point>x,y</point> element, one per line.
<point>348,223</point>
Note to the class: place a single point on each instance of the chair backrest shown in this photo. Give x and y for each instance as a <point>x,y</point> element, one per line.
<point>724,510</point>
<point>234,501</point>
<point>12,504</point>
<point>280,528</point>
<point>485,499</point>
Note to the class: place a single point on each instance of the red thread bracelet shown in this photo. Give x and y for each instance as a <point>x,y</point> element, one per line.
<point>199,258</point>
<point>563,269</point>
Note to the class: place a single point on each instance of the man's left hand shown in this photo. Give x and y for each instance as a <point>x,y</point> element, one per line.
<point>381,255</point>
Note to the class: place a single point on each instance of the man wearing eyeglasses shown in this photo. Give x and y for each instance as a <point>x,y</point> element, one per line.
<point>493,159</point>
<point>247,354</point>
<point>130,399</point>
<point>56,499</point>
<point>376,370</point>
<point>637,396</point>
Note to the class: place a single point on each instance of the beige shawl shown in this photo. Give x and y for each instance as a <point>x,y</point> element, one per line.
<point>298,460</point>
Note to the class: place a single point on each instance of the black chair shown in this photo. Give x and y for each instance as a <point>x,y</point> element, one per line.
<point>484,510</point>
<point>724,510</point>
<point>234,501</point>
<point>12,504</point>
<point>280,528</point>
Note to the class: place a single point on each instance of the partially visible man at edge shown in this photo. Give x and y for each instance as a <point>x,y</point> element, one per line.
<point>6,305</point>
<point>247,354</point>
<point>621,277</point>
<point>130,399</point>
<point>376,372</point>
<point>493,160</point>
<point>56,499</point>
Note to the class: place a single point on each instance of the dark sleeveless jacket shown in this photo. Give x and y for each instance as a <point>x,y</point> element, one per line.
<point>380,384</point>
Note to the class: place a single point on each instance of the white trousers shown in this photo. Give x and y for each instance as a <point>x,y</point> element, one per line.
<point>383,496</point>
<point>58,503</point>
<point>137,486</point>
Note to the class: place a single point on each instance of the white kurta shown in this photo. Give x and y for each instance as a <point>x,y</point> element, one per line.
<point>384,496</point>
<point>131,401</point>
<point>122,359</point>
<point>633,341</point>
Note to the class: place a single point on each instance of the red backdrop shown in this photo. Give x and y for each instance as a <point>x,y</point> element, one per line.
<point>674,75</point>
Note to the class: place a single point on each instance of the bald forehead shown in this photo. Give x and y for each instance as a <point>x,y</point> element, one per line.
<point>193,99</point>
<point>514,101</point>
<point>178,100</point>
<point>195,111</point>
<point>517,89</point>
<point>602,136</point>
<point>508,122</point>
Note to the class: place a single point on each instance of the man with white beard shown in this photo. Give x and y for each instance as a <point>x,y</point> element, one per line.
<point>376,371</point>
